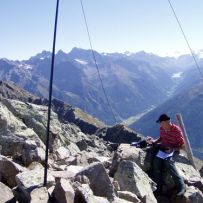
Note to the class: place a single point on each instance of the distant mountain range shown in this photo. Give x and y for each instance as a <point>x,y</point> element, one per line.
<point>134,82</point>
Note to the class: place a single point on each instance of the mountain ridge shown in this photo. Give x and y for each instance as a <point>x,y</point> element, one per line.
<point>133,77</point>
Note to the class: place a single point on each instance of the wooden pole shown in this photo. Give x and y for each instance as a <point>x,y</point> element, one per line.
<point>187,143</point>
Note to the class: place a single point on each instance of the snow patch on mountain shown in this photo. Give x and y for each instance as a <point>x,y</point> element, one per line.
<point>177,75</point>
<point>127,53</point>
<point>27,67</point>
<point>81,61</point>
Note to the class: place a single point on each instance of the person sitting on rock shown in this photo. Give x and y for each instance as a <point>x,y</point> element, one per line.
<point>169,142</point>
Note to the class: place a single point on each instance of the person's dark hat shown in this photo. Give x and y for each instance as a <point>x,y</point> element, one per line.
<point>163,117</point>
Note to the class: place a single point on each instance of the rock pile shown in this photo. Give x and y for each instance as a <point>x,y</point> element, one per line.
<point>84,165</point>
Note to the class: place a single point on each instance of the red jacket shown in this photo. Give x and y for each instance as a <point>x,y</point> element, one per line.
<point>172,137</point>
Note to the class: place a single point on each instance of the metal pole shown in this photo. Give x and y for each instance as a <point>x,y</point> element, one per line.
<point>50,96</point>
<point>187,143</point>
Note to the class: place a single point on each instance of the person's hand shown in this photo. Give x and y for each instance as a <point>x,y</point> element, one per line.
<point>168,150</point>
<point>150,140</point>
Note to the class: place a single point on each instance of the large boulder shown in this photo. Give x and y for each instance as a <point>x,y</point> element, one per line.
<point>84,194</point>
<point>85,158</point>
<point>34,117</point>
<point>190,175</point>
<point>119,134</point>
<point>29,180</point>
<point>127,152</point>
<point>17,140</point>
<point>132,178</point>
<point>99,180</point>
<point>39,195</point>
<point>33,178</point>
<point>119,200</point>
<point>129,196</point>
<point>191,195</point>
<point>63,192</point>
<point>67,174</point>
<point>6,194</point>
<point>8,171</point>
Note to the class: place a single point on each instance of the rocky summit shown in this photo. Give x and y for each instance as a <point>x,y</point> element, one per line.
<point>88,162</point>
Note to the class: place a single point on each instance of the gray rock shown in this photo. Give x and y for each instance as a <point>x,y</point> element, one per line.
<point>35,166</point>
<point>129,196</point>
<point>192,194</point>
<point>33,178</point>
<point>131,153</point>
<point>82,179</point>
<point>83,193</point>
<point>65,156</point>
<point>31,153</point>
<point>118,200</point>
<point>82,144</point>
<point>119,134</point>
<point>8,171</point>
<point>39,195</point>
<point>116,185</point>
<point>106,161</point>
<point>190,175</point>
<point>73,149</point>
<point>201,172</point>
<point>96,199</point>
<point>85,158</point>
<point>131,178</point>
<point>99,180</point>
<point>16,139</point>
<point>20,195</point>
<point>74,169</point>
<point>63,174</point>
<point>62,153</point>
<point>34,117</point>
<point>40,154</point>
<point>63,192</point>
<point>6,194</point>
<point>29,180</point>
<point>196,182</point>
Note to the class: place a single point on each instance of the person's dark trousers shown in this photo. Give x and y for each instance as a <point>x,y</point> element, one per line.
<point>157,167</point>
<point>169,165</point>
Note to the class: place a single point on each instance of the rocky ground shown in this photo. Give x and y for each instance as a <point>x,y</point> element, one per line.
<point>89,162</point>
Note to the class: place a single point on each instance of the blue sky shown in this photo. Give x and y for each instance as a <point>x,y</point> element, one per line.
<point>114,25</point>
